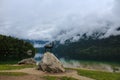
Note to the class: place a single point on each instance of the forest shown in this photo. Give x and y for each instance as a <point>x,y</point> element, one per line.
<point>104,49</point>
<point>15,49</point>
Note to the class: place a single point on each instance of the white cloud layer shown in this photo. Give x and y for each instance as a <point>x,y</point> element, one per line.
<point>58,19</point>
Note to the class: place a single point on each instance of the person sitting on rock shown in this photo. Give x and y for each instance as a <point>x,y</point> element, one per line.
<point>48,47</point>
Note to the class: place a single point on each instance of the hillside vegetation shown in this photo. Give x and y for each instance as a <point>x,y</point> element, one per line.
<point>14,49</point>
<point>90,48</point>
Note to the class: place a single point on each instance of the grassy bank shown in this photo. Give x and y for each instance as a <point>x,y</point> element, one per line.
<point>99,75</point>
<point>14,67</point>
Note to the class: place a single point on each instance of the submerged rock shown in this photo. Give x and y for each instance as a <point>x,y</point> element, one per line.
<point>27,61</point>
<point>50,63</point>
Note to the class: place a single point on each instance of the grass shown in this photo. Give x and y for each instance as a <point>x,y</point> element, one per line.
<point>12,74</point>
<point>99,75</point>
<point>58,78</point>
<point>11,67</point>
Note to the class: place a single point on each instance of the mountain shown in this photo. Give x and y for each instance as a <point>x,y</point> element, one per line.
<point>36,41</point>
<point>90,48</point>
<point>38,44</point>
<point>15,49</point>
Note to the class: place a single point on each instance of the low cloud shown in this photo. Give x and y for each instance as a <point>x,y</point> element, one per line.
<point>58,20</point>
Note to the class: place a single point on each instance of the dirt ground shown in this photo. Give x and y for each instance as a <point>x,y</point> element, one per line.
<point>34,74</point>
<point>26,77</point>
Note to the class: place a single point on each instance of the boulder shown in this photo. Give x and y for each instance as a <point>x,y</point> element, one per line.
<point>50,63</point>
<point>27,61</point>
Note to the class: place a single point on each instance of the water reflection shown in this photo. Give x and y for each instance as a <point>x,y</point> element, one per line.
<point>38,57</point>
<point>93,65</point>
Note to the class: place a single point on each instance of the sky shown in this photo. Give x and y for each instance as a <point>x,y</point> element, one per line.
<point>58,19</point>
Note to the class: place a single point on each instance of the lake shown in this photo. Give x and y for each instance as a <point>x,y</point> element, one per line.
<point>93,65</point>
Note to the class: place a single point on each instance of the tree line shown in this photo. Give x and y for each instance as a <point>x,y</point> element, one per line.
<point>15,49</point>
<point>105,49</point>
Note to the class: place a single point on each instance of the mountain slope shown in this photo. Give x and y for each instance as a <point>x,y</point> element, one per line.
<point>105,49</point>
<point>14,49</point>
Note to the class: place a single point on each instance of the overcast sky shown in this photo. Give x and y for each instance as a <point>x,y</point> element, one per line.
<point>58,19</point>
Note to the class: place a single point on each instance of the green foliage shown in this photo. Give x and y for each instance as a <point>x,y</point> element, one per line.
<point>14,49</point>
<point>58,78</point>
<point>8,62</point>
<point>99,75</point>
<point>12,74</point>
<point>15,67</point>
<point>106,49</point>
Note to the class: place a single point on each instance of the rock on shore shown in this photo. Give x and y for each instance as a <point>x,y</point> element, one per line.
<point>50,63</point>
<point>27,61</point>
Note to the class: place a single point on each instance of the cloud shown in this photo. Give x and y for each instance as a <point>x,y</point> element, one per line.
<point>116,8</point>
<point>58,19</point>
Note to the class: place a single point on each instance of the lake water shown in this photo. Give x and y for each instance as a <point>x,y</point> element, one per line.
<point>94,65</point>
